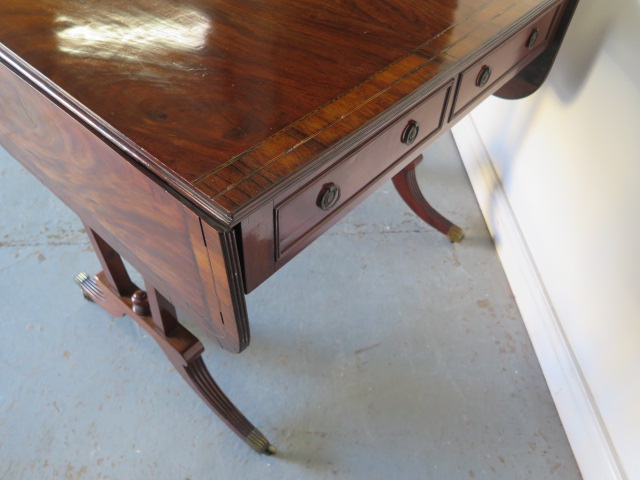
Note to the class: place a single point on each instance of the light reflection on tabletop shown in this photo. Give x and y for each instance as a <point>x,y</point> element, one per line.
<point>134,38</point>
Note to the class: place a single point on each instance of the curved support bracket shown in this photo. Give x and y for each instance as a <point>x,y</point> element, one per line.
<point>157,316</point>
<point>182,349</point>
<point>407,186</point>
<point>532,76</point>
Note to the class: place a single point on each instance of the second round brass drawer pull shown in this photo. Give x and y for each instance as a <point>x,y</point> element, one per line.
<point>483,76</point>
<point>410,132</point>
<point>533,37</point>
<point>329,196</point>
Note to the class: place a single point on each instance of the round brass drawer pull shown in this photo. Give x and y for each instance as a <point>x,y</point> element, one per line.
<point>329,196</point>
<point>410,132</point>
<point>483,76</point>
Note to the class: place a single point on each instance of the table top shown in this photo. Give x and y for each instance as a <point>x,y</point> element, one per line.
<point>225,100</point>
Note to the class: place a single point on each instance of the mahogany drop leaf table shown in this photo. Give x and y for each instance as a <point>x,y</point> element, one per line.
<point>208,142</point>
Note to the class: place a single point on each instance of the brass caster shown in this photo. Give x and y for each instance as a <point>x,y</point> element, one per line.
<point>455,234</point>
<point>260,443</point>
<point>271,450</point>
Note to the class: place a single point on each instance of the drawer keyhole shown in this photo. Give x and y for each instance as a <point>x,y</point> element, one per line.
<point>328,197</point>
<point>410,132</point>
<point>483,76</point>
<point>533,37</point>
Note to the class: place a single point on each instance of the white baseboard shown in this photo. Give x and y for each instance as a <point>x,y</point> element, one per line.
<point>587,434</point>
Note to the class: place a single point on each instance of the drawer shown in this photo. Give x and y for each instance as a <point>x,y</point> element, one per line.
<point>482,75</point>
<point>302,213</point>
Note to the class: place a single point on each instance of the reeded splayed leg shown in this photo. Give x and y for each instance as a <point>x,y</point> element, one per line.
<point>407,186</point>
<point>114,291</point>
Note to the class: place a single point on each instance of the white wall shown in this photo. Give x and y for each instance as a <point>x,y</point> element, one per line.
<point>568,159</point>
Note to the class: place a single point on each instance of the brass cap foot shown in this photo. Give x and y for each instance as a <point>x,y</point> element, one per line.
<point>271,450</point>
<point>260,443</point>
<point>455,234</point>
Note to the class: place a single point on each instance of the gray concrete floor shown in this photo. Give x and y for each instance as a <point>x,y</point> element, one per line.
<point>381,352</point>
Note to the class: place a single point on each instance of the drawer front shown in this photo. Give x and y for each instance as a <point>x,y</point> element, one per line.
<point>300,215</point>
<point>482,75</point>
